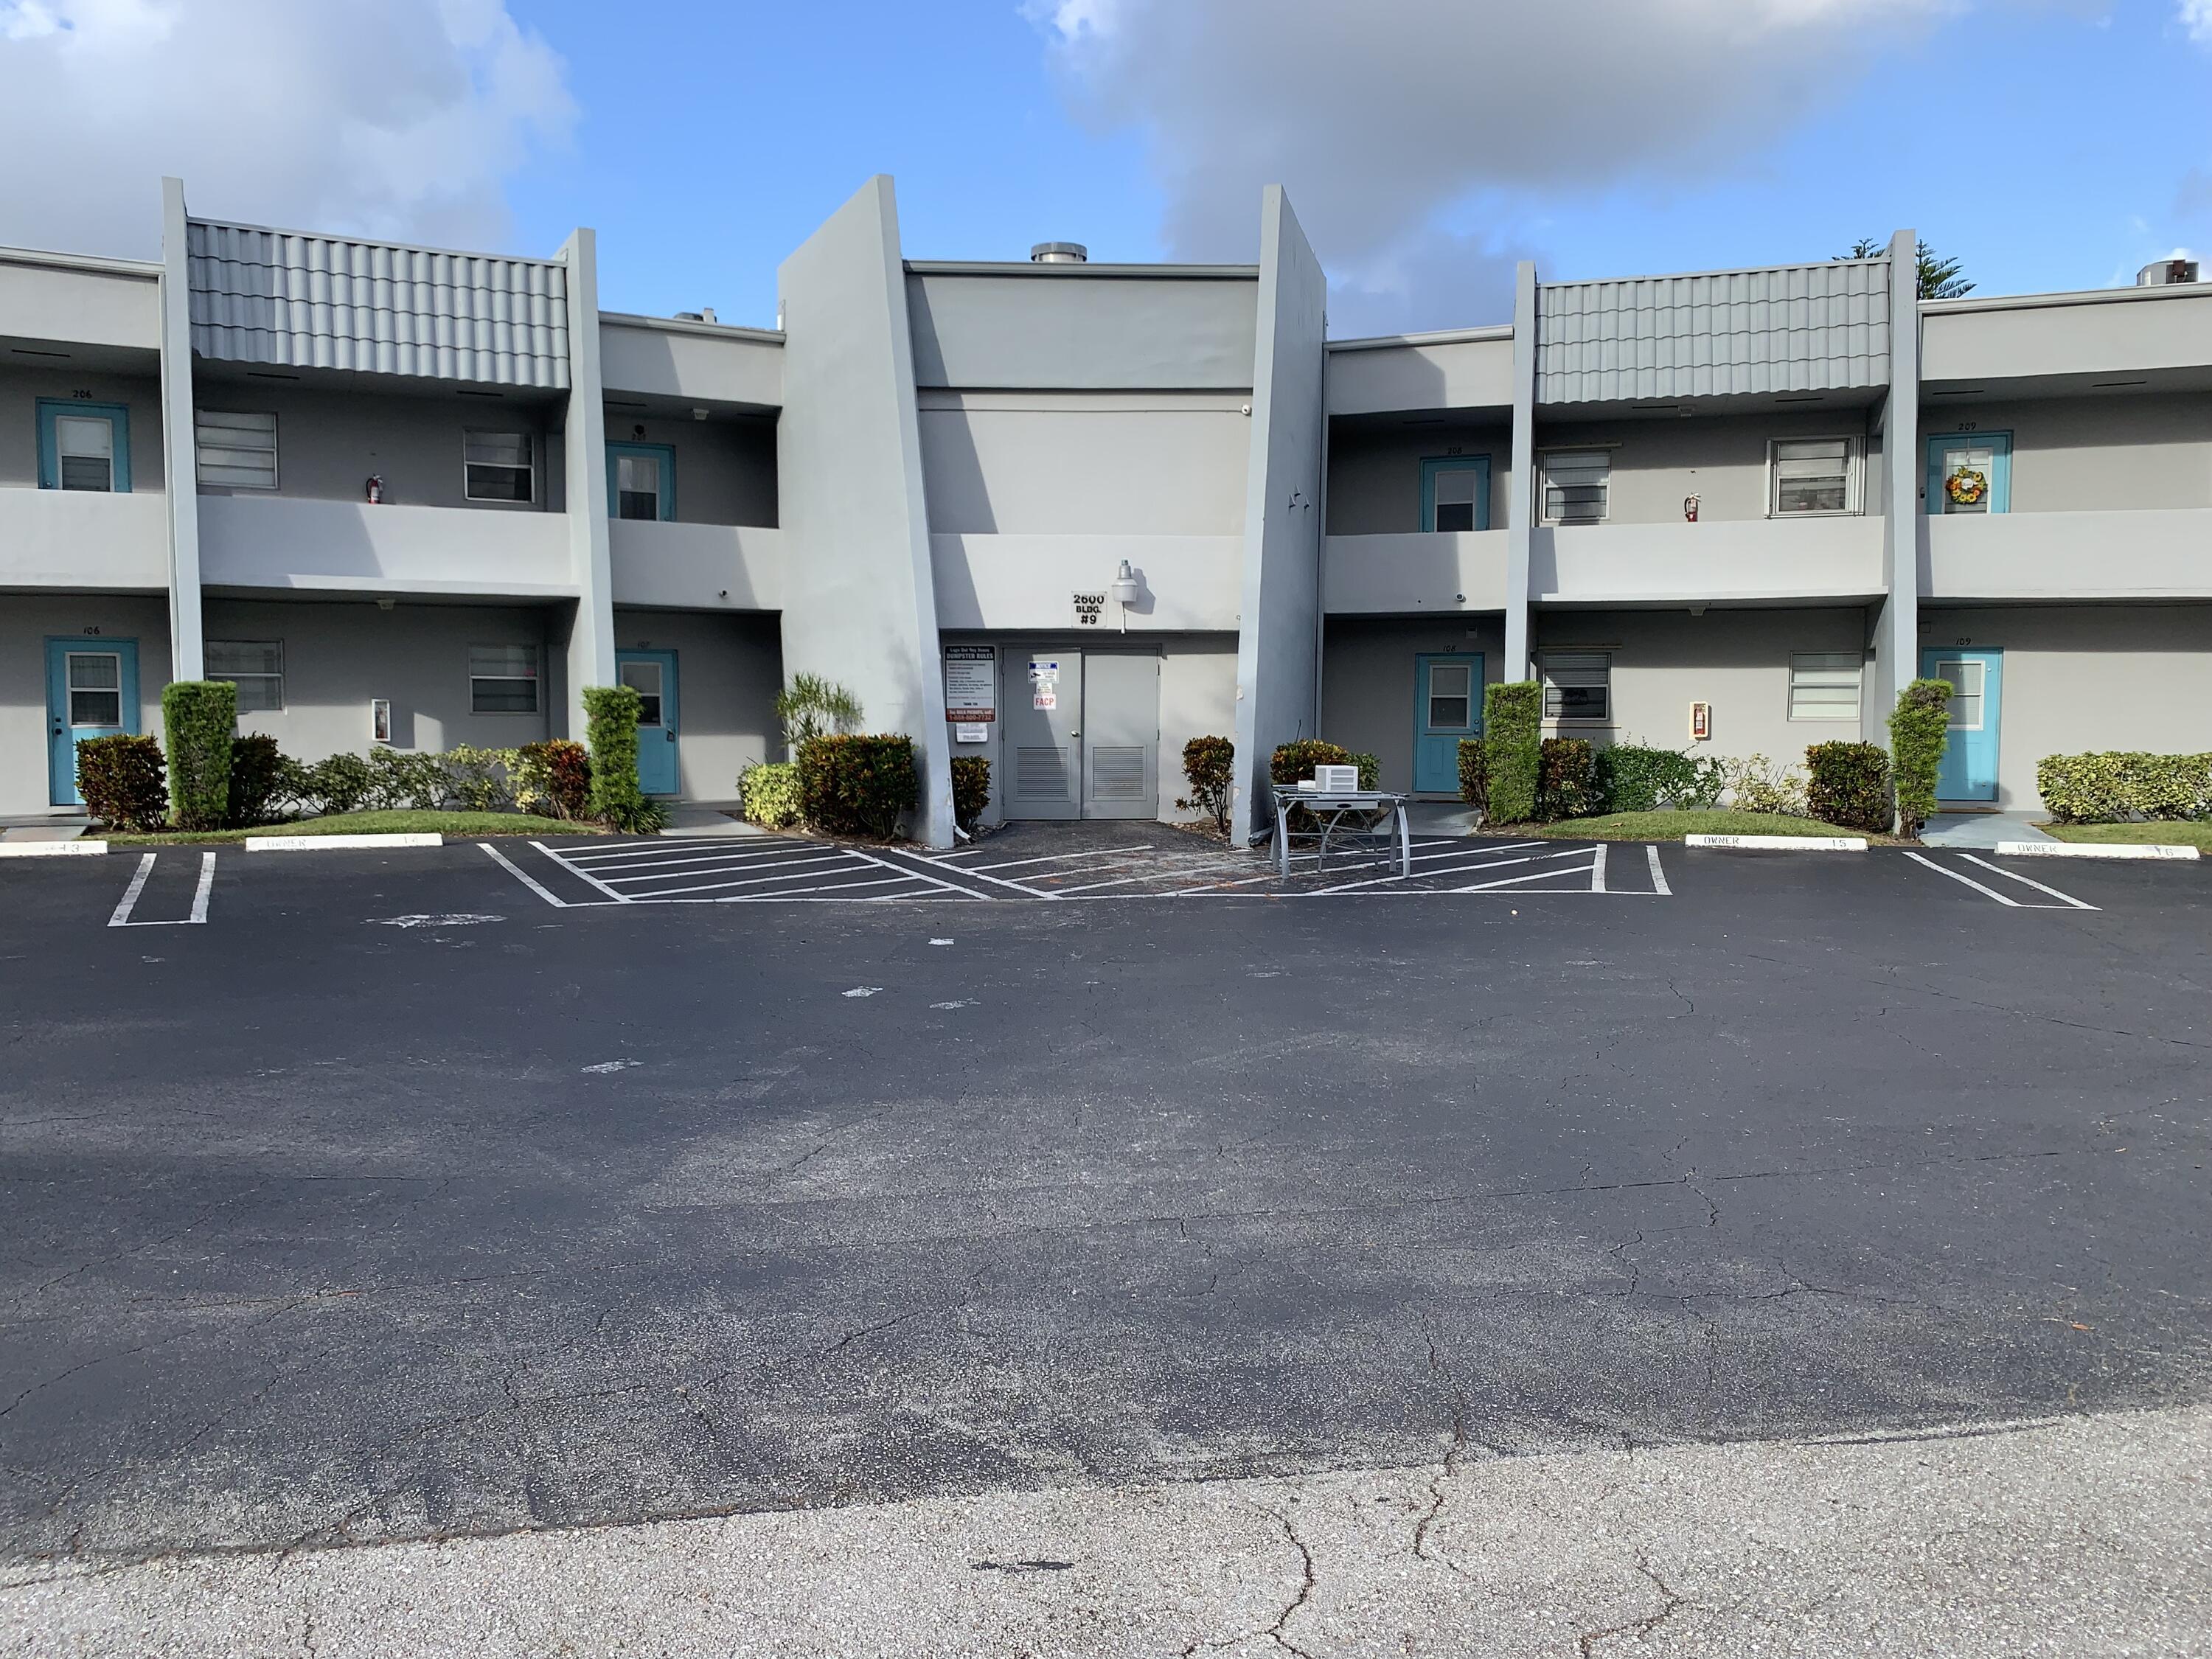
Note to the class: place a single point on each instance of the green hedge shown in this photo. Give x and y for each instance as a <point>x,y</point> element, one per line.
<point>611,715</point>
<point>261,781</point>
<point>857,786</point>
<point>200,720</point>
<point>1512,743</point>
<point>768,794</point>
<point>1209,766</point>
<point>971,790</point>
<point>1636,777</point>
<point>1474,773</point>
<point>1918,728</point>
<point>1848,784</point>
<point>121,781</point>
<point>2116,786</point>
<point>1566,779</point>
<point>1294,763</point>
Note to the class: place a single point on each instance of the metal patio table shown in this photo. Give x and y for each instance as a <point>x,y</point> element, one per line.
<point>1332,807</point>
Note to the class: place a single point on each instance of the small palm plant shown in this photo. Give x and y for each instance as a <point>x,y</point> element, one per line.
<point>811,707</point>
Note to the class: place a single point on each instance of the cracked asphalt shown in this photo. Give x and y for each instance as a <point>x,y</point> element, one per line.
<point>324,1232</point>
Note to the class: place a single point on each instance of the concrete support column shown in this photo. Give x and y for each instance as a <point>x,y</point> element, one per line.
<point>591,658</point>
<point>179,456</point>
<point>1521,484</point>
<point>1896,631</point>
<point>1278,622</point>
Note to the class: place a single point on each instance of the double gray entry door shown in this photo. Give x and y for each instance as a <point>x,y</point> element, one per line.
<point>1082,733</point>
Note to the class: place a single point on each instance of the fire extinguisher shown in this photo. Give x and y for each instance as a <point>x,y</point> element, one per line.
<point>376,489</point>
<point>1690,509</point>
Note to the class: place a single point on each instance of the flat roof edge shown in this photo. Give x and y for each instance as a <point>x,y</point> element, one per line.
<point>685,325</point>
<point>100,263</point>
<point>1028,268</point>
<point>2083,296</point>
<point>1431,336</point>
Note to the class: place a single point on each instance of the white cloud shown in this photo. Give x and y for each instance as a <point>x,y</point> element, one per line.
<point>2197,19</point>
<point>1397,125</point>
<point>391,118</point>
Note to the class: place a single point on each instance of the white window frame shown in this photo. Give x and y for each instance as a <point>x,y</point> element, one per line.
<point>1546,663</point>
<point>529,467</point>
<point>212,646</point>
<point>534,679</point>
<point>1832,659</point>
<point>1854,475</point>
<point>201,428</point>
<point>1547,458</point>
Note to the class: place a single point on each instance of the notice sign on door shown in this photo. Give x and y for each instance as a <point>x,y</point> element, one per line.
<point>971,685</point>
<point>1090,609</point>
<point>1044,683</point>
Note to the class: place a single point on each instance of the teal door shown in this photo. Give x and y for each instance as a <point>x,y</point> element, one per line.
<point>652,675</point>
<point>1448,706</point>
<point>1969,771</point>
<point>91,691</point>
<point>1969,472</point>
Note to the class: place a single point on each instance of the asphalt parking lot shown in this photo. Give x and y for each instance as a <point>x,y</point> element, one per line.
<point>410,1194</point>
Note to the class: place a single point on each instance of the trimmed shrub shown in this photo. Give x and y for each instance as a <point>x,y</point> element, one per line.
<point>1756,785</point>
<point>811,707</point>
<point>1849,785</point>
<point>1918,728</point>
<point>336,783</point>
<point>1294,763</point>
<point>1566,779</point>
<point>553,778</point>
<point>1209,766</point>
<point>199,719</point>
<point>1474,773</point>
<point>856,786</point>
<point>971,790</point>
<point>1512,743</point>
<point>480,780</point>
<point>2114,787</point>
<point>261,781</point>
<point>121,781</point>
<point>1636,777</point>
<point>767,793</point>
<point>611,715</point>
<point>402,778</point>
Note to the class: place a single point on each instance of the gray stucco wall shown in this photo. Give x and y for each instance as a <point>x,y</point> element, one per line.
<point>1139,464</point>
<point>725,467</point>
<point>1736,660</point>
<point>1090,329</point>
<point>1368,682</point>
<point>339,656</point>
<point>21,389</point>
<point>27,622</point>
<point>330,441</point>
<point>1375,472</point>
<point>728,670</point>
<point>1278,663</point>
<point>1722,460</point>
<point>2111,451</point>
<point>859,605</point>
<point>2080,678</point>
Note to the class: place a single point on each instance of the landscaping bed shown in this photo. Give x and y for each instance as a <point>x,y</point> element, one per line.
<point>1673,825</point>
<point>399,822</point>
<point>2167,832</point>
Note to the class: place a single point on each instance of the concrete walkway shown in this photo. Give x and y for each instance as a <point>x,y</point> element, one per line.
<point>2076,1535</point>
<point>703,820</point>
<point>1978,829</point>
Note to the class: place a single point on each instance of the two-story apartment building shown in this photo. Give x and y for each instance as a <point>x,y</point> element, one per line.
<point>1067,515</point>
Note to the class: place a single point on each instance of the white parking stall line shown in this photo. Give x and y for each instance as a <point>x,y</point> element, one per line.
<point>643,869</point>
<point>683,852</point>
<point>1177,870</point>
<point>1658,875</point>
<point>1482,862</point>
<point>122,916</point>
<point>1515,881</point>
<point>2014,875</point>
<point>835,887</point>
<point>1597,870</point>
<point>581,874</point>
<point>748,881</point>
<point>524,877</point>
<point>1968,881</point>
<point>200,897</point>
<point>1057,858</point>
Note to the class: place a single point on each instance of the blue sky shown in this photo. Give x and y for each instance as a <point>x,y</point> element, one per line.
<point>1426,144</point>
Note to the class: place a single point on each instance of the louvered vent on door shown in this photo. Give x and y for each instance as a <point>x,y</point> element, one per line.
<point>1117,773</point>
<point>1041,775</point>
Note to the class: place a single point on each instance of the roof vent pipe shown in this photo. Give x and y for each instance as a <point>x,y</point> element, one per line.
<point>1060,253</point>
